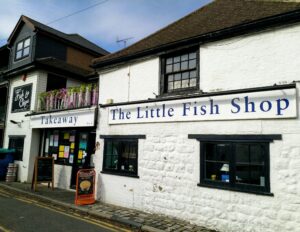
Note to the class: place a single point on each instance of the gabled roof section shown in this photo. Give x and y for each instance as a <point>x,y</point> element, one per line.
<point>217,16</point>
<point>74,39</point>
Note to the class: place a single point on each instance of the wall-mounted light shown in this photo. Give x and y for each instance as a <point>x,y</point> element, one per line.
<point>15,122</point>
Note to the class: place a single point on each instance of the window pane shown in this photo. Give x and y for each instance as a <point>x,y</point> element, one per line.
<point>129,156</point>
<point>242,153</point>
<point>184,65</point>
<point>193,82</point>
<point>185,83</point>
<point>18,144</point>
<point>192,55</point>
<point>176,67</point>
<point>185,75</point>
<point>27,42</point>
<point>169,68</point>
<point>20,46</point>
<point>19,54</point>
<point>170,78</point>
<point>169,60</point>
<point>257,153</point>
<point>177,84</point>
<point>170,85</point>
<point>249,164</point>
<point>217,161</point>
<point>184,57</point>
<point>177,76</point>
<point>250,174</point>
<point>192,64</point>
<point>26,51</point>
<point>176,59</point>
<point>193,74</point>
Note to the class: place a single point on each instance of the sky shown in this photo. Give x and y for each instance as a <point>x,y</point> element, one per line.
<point>105,22</point>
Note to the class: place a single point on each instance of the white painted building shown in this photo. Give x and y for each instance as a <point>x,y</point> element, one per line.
<point>201,120</point>
<point>50,110</point>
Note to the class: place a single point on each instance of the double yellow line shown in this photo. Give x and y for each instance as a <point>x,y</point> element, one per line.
<point>105,225</point>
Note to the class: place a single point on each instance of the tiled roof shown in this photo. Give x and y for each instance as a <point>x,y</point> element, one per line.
<point>216,16</point>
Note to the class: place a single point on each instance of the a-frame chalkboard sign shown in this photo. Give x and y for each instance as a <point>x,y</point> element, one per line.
<point>43,172</point>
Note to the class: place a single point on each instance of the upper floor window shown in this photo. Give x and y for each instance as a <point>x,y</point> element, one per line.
<point>23,48</point>
<point>180,72</point>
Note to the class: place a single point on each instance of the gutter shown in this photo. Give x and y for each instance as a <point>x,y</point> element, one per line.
<point>240,29</point>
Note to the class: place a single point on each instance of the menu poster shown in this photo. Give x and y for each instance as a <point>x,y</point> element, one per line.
<point>71,158</point>
<point>82,145</point>
<point>72,138</point>
<point>80,155</point>
<point>72,145</point>
<point>61,154</point>
<point>61,148</point>
<point>66,135</point>
<point>55,143</point>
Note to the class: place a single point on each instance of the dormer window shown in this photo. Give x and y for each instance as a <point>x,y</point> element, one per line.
<point>180,72</point>
<point>23,48</point>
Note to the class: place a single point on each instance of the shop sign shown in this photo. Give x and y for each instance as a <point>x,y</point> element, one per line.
<point>21,98</point>
<point>273,104</point>
<point>85,187</point>
<point>70,118</point>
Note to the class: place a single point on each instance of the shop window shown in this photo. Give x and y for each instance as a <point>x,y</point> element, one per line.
<point>120,156</point>
<point>235,165</point>
<point>17,143</point>
<point>180,72</point>
<point>67,147</point>
<point>236,162</point>
<point>22,49</point>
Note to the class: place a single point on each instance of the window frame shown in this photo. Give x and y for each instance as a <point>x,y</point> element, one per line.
<point>119,172</point>
<point>233,185</point>
<point>212,138</point>
<point>22,49</point>
<point>10,137</point>
<point>163,76</point>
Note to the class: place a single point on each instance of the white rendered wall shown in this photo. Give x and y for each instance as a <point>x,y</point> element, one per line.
<point>131,82</point>
<point>261,59</point>
<point>31,140</point>
<point>168,162</point>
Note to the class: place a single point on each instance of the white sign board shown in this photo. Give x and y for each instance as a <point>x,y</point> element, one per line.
<point>69,118</point>
<point>252,105</point>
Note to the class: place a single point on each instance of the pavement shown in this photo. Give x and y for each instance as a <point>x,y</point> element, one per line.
<point>134,219</point>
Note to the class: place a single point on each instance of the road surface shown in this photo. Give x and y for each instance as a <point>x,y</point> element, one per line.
<point>20,214</point>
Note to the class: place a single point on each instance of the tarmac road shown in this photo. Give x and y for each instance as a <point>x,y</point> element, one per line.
<point>20,214</point>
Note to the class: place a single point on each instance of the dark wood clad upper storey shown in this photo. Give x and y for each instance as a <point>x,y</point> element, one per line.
<point>31,43</point>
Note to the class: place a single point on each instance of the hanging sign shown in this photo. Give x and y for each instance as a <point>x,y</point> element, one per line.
<point>273,104</point>
<point>69,118</point>
<point>85,187</point>
<point>43,171</point>
<point>21,98</point>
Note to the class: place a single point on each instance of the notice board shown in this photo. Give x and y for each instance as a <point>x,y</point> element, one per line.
<point>43,171</point>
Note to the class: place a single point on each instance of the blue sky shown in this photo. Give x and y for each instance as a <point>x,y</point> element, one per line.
<point>102,24</point>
